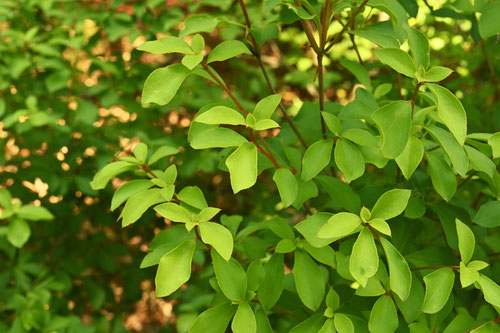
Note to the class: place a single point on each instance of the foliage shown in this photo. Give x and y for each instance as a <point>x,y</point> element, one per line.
<point>277,210</point>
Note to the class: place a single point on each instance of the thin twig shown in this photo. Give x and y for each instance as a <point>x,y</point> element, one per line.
<point>414,98</point>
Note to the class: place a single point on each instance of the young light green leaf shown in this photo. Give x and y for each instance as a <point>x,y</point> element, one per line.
<point>438,286</point>
<point>477,265</point>
<point>128,189</point>
<point>467,275</point>
<point>226,50</point>
<point>316,158</point>
<point>494,142</point>
<point>162,84</point>
<point>343,324</point>
<point>339,225</point>
<point>391,204</point>
<point>242,166</point>
<point>199,23</point>
<point>490,289</point>
<point>244,320</point>
<point>174,212</point>
<point>410,157</point>
<point>103,176</point>
<point>328,326</point>
<point>270,291</point>
<point>382,90</point>
<point>218,137</point>
<point>381,226</point>
<point>363,263</point>
<point>399,271</point>
<point>266,106</point>
<point>18,232</point>
<point>393,121</point>
<point>488,215</point>
<point>168,44</point>
<point>398,60</point>
<point>383,317</point>
<point>231,277</point>
<point>137,204</point>
<point>287,185</point>
<point>141,152</point>
<point>34,213</point>
<point>361,137</point>
<point>162,152</point>
<point>332,122</point>
<point>192,60</point>
<point>349,160</point>
<point>419,46</point>
<point>221,115</point>
<point>219,237</point>
<point>466,241</point>
<point>207,214</point>
<point>174,268</point>
<point>443,178</point>
<point>489,24</point>
<point>285,246</point>
<point>197,43</point>
<point>451,111</point>
<point>309,280</point>
<point>214,320</point>
<point>436,74</point>
<point>452,148</point>
<point>264,124</point>
<point>332,300</point>
<point>193,196</point>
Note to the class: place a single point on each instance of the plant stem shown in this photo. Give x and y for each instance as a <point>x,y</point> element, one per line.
<point>349,23</point>
<point>434,267</point>
<point>414,98</point>
<point>400,86</point>
<point>306,25</point>
<point>269,153</point>
<point>321,93</point>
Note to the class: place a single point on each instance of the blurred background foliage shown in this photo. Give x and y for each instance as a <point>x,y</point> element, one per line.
<point>70,82</point>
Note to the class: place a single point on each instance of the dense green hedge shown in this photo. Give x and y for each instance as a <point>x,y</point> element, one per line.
<point>290,165</point>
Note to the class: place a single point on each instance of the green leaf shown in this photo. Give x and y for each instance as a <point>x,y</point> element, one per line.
<point>128,189</point>
<point>349,160</point>
<point>193,196</point>
<point>242,166</point>
<point>438,286</point>
<point>393,121</point>
<point>480,161</point>
<point>332,122</point>
<point>214,320</point>
<point>494,142</point>
<point>103,176</point>
<point>325,255</point>
<point>218,137</point>
<point>18,232</point>
<point>174,268</point>
<point>174,212</point>
<point>398,60</point>
<point>197,43</point>
<point>488,215</point>
<point>339,225</point>
<point>382,90</point>
<point>436,74</point>
<point>162,152</point>
<point>244,320</point>
<point>264,124</point>
<point>266,106</point>
<point>343,324</point>
<point>363,263</point>
<point>34,213</point>
<point>410,308</point>
<point>310,325</point>
<point>361,137</point>
<point>383,317</point>
<point>382,226</point>
<point>341,193</point>
<point>285,246</point>
<point>489,24</point>
<point>309,280</point>
<point>270,291</point>
<point>219,237</point>
<point>316,158</point>
<point>381,39</point>
<point>467,275</point>
<point>451,111</point>
<point>199,23</point>
<point>162,84</point>
<point>419,46</point>
<point>168,44</point>
<point>263,324</point>
<point>490,289</point>
<point>452,148</point>
<point>391,204</point>
<point>192,60</point>
<point>207,214</point>
<point>466,241</point>
<point>328,327</point>
<point>264,32</point>
<point>231,277</point>
<point>332,300</point>
<point>477,265</point>
<point>226,50</point>
<point>399,271</point>
<point>358,71</point>
<point>287,185</point>
<point>141,152</point>
<point>137,204</point>
<point>221,115</point>
<point>443,178</point>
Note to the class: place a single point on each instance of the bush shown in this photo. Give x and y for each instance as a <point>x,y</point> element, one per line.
<point>346,183</point>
